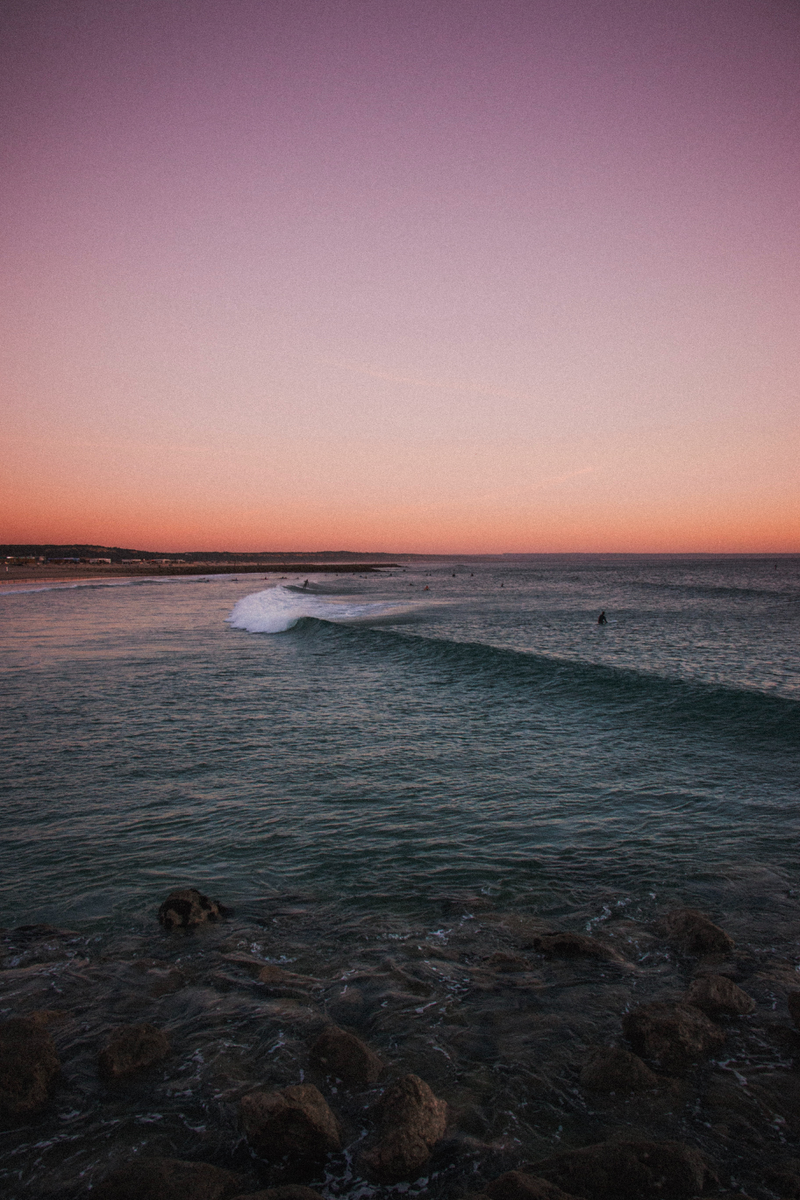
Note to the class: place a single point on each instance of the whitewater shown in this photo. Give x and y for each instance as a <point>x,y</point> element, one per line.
<point>277,609</point>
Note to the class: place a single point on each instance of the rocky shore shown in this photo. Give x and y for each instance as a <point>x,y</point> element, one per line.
<point>282,1056</point>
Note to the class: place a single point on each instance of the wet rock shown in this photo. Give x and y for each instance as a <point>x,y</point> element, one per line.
<point>516,1185</point>
<point>166,983</point>
<point>691,932</point>
<point>729,1196</point>
<point>341,1054</point>
<point>718,996</point>
<point>47,1016</point>
<point>793,1000</point>
<point>521,930</point>
<point>412,1121</point>
<point>349,1006</point>
<point>501,961</point>
<point>411,983</point>
<point>269,973</point>
<point>34,933</point>
<point>272,974</point>
<point>29,1066</point>
<point>628,1171</point>
<point>132,1048</point>
<point>671,1035</point>
<point>778,1094</point>
<point>289,1191</point>
<point>168,1179</point>
<point>186,907</point>
<point>784,1178</point>
<point>611,1069</point>
<point>574,945</point>
<point>295,1122</point>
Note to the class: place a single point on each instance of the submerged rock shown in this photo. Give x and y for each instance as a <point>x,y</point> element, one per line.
<point>168,1179</point>
<point>295,1122</point>
<point>611,1069</point>
<point>186,907</point>
<point>691,932</point>
<point>671,1035</point>
<point>629,1171</point>
<point>344,1056</point>
<point>29,1066</point>
<point>574,945</point>
<point>132,1048</point>
<point>349,1006</point>
<point>793,1000</point>
<point>718,996</point>
<point>784,1178</point>
<point>516,1185</point>
<point>412,1121</point>
<point>289,1191</point>
<point>502,961</point>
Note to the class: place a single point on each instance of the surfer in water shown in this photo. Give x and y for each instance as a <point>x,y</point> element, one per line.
<point>601,620</point>
<point>305,585</point>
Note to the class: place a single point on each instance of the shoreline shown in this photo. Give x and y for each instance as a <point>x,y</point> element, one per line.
<point>82,574</point>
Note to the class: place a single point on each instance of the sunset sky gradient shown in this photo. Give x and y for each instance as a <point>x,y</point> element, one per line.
<point>448,276</point>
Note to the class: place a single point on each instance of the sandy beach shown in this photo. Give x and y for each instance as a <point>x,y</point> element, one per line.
<point>81,573</point>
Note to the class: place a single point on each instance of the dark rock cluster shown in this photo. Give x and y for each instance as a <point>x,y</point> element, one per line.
<point>29,1065</point>
<point>356,1114</point>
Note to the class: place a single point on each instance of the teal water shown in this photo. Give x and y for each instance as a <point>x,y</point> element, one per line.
<point>391,787</point>
<point>486,734</point>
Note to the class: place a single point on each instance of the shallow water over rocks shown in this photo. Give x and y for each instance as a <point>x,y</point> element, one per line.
<point>498,1028</point>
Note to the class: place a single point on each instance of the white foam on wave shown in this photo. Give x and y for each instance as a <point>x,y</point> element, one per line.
<point>279,608</point>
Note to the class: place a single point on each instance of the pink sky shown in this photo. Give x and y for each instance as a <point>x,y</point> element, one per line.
<point>453,276</point>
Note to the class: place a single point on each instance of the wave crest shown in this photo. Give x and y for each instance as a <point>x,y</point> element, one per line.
<point>280,608</point>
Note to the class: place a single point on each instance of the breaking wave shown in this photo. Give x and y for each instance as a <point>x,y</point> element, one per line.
<point>280,608</point>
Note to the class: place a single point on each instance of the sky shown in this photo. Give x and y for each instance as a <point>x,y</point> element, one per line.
<point>446,276</point>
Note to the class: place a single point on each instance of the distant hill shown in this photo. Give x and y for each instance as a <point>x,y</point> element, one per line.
<point>118,554</point>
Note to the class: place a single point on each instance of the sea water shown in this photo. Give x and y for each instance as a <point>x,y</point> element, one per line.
<point>408,757</point>
<point>379,742</point>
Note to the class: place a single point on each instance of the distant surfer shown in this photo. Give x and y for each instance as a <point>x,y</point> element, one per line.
<point>305,585</point>
<point>601,620</point>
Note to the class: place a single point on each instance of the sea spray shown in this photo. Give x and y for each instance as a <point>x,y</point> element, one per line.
<point>280,608</point>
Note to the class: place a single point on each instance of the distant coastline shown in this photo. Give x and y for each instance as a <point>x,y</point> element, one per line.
<point>77,572</point>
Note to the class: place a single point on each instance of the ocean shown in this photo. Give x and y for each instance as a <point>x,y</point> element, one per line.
<point>389,778</point>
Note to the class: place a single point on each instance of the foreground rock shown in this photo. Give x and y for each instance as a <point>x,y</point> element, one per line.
<point>294,1123</point>
<point>718,996</point>
<point>784,1177</point>
<point>611,1069</point>
<point>671,1036</point>
<point>793,1000</point>
<point>168,1179</point>
<point>516,1185</point>
<point>412,1121</point>
<point>289,1191</point>
<point>508,963</point>
<point>573,945</point>
<point>342,1055</point>
<point>29,1067</point>
<point>691,932</point>
<point>628,1171</point>
<point>186,908</point>
<point>132,1048</point>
